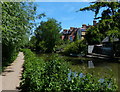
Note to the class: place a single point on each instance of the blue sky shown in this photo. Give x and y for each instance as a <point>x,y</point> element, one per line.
<point>64,0</point>
<point>65,12</point>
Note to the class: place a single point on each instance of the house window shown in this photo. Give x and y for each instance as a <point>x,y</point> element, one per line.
<point>83,29</point>
<point>71,39</point>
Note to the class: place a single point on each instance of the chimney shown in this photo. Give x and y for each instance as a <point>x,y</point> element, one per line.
<point>84,26</point>
<point>71,28</point>
<point>94,22</point>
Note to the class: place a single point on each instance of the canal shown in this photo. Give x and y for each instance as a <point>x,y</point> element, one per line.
<point>98,67</point>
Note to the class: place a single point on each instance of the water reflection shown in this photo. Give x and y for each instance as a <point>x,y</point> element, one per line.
<point>98,67</point>
<point>90,64</point>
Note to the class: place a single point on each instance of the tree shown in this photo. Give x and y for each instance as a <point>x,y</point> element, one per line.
<point>110,8</point>
<point>93,36</point>
<point>32,43</point>
<point>47,35</point>
<point>109,19</point>
<point>17,20</point>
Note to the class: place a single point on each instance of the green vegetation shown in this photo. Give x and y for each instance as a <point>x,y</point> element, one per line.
<point>17,22</point>
<point>93,36</point>
<point>47,35</point>
<point>109,23</point>
<point>32,43</point>
<point>77,47</point>
<point>54,76</point>
<point>42,76</point>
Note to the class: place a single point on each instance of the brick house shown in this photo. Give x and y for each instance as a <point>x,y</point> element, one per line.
<point>76,33</point>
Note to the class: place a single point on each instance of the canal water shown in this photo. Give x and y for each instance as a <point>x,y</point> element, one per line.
<point>98,67</point>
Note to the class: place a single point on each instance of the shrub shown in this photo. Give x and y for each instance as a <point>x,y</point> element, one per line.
<point>54,76</point>
<point>41,76</point>
<point>79,82</point>
<point>9,54</point>
<point>78,47</point>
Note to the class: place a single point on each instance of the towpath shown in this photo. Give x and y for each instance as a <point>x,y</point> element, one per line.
<point>11,77</point>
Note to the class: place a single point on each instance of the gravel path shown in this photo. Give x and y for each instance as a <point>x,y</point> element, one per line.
<point>12,74</point>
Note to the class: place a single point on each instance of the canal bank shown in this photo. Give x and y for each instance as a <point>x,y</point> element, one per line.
<point>98,67</point>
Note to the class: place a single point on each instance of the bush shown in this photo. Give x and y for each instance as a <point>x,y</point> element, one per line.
<point>78,47</point>
<point>41,76</point>
<point>54,76</point>
<point>79,82</point>
<point>9,54</point>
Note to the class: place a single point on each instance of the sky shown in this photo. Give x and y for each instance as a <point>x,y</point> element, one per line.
<point>65,12</point>
<point>64,0</point>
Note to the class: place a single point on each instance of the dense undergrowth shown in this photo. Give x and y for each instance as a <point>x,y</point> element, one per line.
<point>8,61</point>
<point>54,76</point>
<point>77,47</point>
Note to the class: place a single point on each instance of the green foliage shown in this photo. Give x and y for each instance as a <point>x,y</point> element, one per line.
<point>32,43</point>
<point>42,76</point>
<point>59,46</point>
<point>17,20</point>
<point>54,76</point>
<point>77,47</point>
<point>111,8</point>
<point>86,83</point>
<point>113,33</point>
<point>93,36</point>
<point>109,23</point>
<point>32,72</point>
<point>47,35</point>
